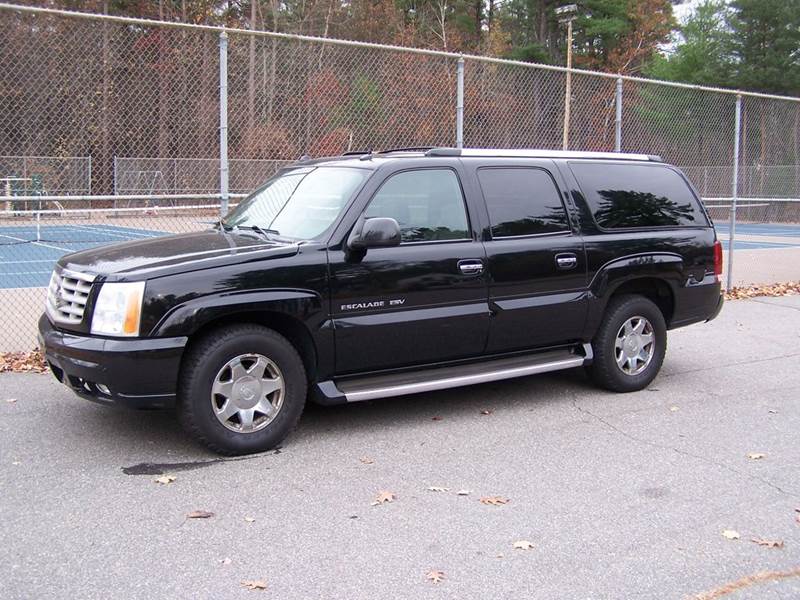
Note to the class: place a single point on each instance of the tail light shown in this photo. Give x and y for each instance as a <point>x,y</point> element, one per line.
<point>718,259</point>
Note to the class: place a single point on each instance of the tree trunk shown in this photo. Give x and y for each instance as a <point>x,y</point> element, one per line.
<point>273,62</point>
<point>325,32</point>
<point>251,80</point>
<point>106,182</point>
<point>163,90</point>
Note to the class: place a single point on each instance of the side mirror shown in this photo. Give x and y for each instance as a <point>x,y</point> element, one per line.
<point>377,232</point>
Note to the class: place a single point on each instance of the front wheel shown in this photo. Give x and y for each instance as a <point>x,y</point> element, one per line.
<point>630,345</point>
<point>242,389</point>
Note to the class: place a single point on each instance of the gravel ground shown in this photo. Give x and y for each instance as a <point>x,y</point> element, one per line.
<point>621,496</point>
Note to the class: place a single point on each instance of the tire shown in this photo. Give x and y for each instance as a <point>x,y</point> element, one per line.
<point>231,369</point>
<point>634,373</point>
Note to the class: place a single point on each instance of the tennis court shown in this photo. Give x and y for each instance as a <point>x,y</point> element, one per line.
<point>774,235</point>
<point>28,252</point>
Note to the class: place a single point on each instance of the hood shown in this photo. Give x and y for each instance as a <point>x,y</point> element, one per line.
<point>174,253</point>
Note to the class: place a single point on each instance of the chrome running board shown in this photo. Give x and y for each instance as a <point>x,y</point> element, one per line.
<point>385,386</point>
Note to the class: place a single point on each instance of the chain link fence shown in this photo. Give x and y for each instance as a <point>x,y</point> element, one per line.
<point>122,129</point>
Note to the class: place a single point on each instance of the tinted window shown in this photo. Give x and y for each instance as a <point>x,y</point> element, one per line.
<point>623,196</point>
<point>427,204</point>
<point>522,202</point>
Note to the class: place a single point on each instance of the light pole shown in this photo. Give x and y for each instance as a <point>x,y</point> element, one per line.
<point>567,14</point>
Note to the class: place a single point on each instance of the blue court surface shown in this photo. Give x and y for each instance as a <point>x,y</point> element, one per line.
<point>27,259</point>
<point>772,230</point>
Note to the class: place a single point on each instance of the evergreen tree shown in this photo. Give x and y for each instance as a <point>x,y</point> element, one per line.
<point>766,44</point>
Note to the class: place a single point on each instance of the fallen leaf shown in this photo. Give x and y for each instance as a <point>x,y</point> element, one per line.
<point>22,362</point>
<point>249,520</point>
<point>768,543</point>
<point>463,492</point>
<point>772,411</point>
<point>256,584</point>
<point>436,418</point>
<point>523,545</point>
<point>225,561</point>
<point>366,460</point>
<point>383,497</point>
<point>11,400</point>
<point>494,500</point>
<point>500,555</point>
<point>435,576</point>
<point>165,479</point>
<point>674,409</point>
<point>200,514</point>
<point>487,412</point>
<point>788,288</point>
<point>756,455</point>
<point>435,488</point>
<point>730,534</point>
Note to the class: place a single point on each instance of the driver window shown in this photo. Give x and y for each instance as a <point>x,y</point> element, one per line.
<point>427,204</point>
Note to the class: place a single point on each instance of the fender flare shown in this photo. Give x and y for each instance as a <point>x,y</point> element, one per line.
<point>664,266</point>
<point>185,319</point>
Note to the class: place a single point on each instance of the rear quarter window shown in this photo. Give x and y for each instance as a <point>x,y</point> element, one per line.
<point>637,196</point>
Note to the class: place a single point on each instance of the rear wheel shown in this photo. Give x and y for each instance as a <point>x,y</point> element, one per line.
<point>242,389</point>
<point>630,345</point>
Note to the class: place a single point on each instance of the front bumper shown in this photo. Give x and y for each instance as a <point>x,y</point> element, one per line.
<point>136,373</point>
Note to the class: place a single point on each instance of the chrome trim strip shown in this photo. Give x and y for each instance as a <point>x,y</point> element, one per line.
<point>451,382</point>
<point>87,277</point>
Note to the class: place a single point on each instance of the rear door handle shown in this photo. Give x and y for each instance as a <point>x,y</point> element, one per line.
<point>470,266</point>
<point>566,261</point>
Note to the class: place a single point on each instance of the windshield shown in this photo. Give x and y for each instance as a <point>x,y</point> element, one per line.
<point>301,203</point>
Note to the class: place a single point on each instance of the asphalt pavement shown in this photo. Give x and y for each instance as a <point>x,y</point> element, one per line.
<point>619,496</point>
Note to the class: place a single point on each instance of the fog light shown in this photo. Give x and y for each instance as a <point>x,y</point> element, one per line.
<point>103,389</point>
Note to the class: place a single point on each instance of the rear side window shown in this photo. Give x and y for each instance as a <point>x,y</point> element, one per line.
<point>522,201</point>
<point>632,196</point>
<point>427,204</point>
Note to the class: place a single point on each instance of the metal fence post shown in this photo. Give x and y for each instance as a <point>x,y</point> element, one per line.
<point>223,123</point>
<point>114,176</point>
<point>460,102</point>
<point>735,194</point>
<point>89,168</point>
<point>618,118</point>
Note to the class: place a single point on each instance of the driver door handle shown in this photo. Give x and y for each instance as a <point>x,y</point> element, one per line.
<point>470,266</point>
<point>567,260</point>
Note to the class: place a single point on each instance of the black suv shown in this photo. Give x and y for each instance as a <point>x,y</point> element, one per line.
<point>382,274</point>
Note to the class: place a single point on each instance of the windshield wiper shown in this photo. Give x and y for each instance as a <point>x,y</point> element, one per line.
<point>260,230</point>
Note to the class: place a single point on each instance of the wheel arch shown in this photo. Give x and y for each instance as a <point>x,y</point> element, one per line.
<point>655,276</point>
<point>289,327</point>
<point>654,289</point>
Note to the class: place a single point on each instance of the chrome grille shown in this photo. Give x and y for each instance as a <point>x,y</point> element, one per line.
<point>67,295</point>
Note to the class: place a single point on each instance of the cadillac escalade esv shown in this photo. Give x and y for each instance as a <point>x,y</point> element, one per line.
<point>371,275</point>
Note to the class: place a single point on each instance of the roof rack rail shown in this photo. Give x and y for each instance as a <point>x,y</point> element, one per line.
<point>538,153</point>
<point>443,152</point>
<point>407,149</point>
<point>356,152</point>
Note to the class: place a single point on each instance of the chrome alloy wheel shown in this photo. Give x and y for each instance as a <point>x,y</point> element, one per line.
<point>247,393</point>
<point>635,345</point>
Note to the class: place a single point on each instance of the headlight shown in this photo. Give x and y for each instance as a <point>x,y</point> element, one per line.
<point>118,309</point>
